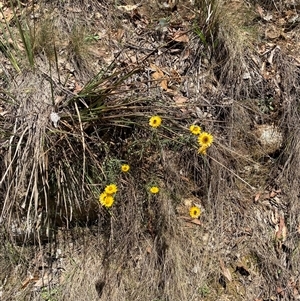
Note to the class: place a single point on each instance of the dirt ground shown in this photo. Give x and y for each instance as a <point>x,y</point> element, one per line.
<point>79,82</point>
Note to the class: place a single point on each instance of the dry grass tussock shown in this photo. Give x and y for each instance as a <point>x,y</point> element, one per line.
<point>104,70</point>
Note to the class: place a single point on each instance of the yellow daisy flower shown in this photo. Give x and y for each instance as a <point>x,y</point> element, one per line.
<point>195,212</point>
<point>205,139</point>
<point>106,200</point>
<point>125,167</point>
<point>102,197</point>
<point>195,129</point>
<point>202,150</point>
<point>154,189</point>
<point>155,121</point>
<point>111,189</point>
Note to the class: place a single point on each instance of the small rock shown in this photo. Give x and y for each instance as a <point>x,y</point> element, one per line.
<point>269,137</point>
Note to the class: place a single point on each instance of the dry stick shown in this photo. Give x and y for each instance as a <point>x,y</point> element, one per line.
<point>253,188</point>
<point>83,146</point>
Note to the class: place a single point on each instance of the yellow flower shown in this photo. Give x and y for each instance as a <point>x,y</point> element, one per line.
<point>154,189</point>
<point>125,167</point>
<point>102,197</point>
<point>195,212</point>
<point>155,121</point>
<point>111,189</point>
<point>205,139</point>
<point>195,129</point>
<point>106,200</point>
<point>202,150</point>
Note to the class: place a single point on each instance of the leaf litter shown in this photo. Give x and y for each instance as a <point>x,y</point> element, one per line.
<point>167,51</point>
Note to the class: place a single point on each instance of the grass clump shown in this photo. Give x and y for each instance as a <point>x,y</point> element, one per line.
<point>144,183</point>
<point>207,23</point>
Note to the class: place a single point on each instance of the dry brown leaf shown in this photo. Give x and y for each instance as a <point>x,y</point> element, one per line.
<point>196,221</point>
<point>29,279</point>
<point>225,271</point>
<point>157,70</point>
<point>280,290</point>
<point>180,100</point>
<point>188,220</point>
<point>26,282</point>
<point>176,77</point>
<point>186,53</point>
<point>181,37</point>
<point>77,88</point>
<point>159,75</point>
<point>164,84</point>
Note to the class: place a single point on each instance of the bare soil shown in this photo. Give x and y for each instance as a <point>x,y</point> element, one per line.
<point>231,68</point>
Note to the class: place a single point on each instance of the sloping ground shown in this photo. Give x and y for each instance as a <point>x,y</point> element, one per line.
<point>104,69</point>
